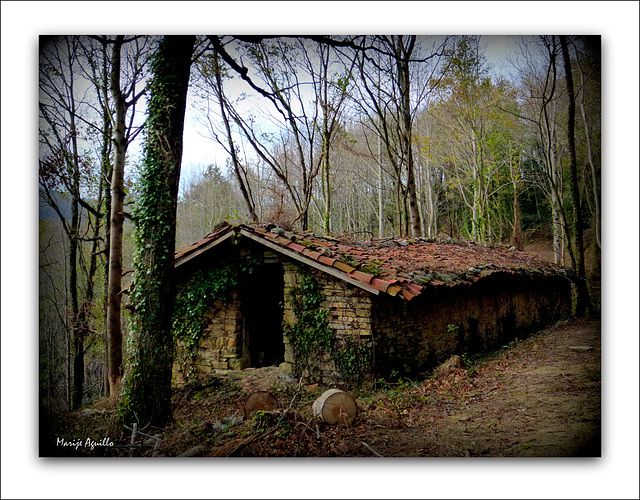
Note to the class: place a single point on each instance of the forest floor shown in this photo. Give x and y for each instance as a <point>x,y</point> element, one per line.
<point>540,397</point>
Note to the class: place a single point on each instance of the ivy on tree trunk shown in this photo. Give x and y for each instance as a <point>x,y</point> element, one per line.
<point>583,294</point>
<point>147,383</point>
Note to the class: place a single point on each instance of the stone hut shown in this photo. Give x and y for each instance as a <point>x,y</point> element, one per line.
<point>367,310</point>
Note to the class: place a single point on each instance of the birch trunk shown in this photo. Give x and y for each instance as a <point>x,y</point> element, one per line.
<point>116,222</point>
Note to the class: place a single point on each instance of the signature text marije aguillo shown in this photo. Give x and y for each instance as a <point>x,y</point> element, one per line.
<point>87,443</point>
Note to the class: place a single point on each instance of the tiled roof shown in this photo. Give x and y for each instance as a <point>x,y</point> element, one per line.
<point>220,231</point>
<point>400,267</point>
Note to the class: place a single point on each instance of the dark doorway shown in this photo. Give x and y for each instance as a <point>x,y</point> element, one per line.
<point>264,294</point>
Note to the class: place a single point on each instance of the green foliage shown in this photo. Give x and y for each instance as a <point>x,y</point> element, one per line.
<point>312,341</point>
<point>147,381</point>
<point>309,336</point>
<point>267,421</point>
<point>466,360</point>
<point>196,295</point>
<point>354,358</point>
<point>527,445</point>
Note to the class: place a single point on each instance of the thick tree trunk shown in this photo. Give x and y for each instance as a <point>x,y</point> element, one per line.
<point>147,394</point>
<point>114,300</point>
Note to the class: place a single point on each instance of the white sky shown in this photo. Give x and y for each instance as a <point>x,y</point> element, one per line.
<point>26,476</point>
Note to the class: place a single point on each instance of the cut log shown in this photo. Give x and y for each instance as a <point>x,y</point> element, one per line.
<point>335,407</point>
<point>260,401</point>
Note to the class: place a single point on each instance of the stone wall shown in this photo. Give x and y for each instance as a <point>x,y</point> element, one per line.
<point>408,337</point>
<point>220,345</point>
<point>349,315</point>
<point>413,337</point>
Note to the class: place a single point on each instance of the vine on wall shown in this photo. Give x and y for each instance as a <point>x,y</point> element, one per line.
<point>354,359</point>
<point>309,336</point>
<point>312,341</point>
<point>196,296</point>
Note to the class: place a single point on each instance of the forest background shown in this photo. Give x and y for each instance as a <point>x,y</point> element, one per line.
<point>611,126</point>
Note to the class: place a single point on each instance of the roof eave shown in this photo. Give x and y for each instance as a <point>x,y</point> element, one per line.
<point>306,260</point>
<point>213,243</point>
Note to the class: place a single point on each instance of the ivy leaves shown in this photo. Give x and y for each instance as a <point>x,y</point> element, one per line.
<point>310,334</point>
<point>354,359</point>
<point>312,339</point>
<point>196,296</point>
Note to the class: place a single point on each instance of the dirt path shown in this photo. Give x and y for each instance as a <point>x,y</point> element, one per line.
<point>539,398</point>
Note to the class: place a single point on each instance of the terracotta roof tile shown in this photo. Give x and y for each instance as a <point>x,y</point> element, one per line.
<point>326,260</point>
<point>393,290</point>
<point>399,268</point>
<point>281,240</point>
<point>296,247</point>
<point>310,253</point>
<point>381,285</point>
<point>225,228</point>
<point>343,267</point>
<point>359,275</point>
<point>407,294</point>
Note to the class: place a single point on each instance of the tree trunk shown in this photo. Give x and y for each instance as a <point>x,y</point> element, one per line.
<point>147,394</point>
<point>106,174</point>
<point>517,240</point>
<point>555,181</point>
<point>380,191</point>
<point>402,63</point>
<point>237,168</point>
<point>575,195</point>
<point>116,220</point>
<point>326,138</point>
<point>594,176</point>
<point>76,328</point>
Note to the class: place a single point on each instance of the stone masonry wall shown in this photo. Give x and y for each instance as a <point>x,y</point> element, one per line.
<point>220,345</point>
<point>413,337</point>
<point>349,314</point>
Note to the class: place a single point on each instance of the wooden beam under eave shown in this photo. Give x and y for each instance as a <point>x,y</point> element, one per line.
<point>310,262</point>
